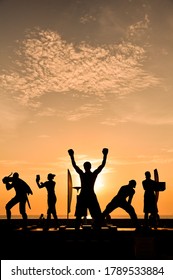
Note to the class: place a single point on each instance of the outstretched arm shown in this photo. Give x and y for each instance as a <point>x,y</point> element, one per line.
<point>71,154</point>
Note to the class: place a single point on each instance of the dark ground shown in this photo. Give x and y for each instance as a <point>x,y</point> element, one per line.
<point>118,241</point>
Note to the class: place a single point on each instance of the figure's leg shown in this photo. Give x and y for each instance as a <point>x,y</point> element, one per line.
<point>8,211</point>
<point>9,205</point>
<point>110,207</point>
<point>154,219</point>
<point>55,216</point>
<point>97,218</point>
<point>48,218</point>
<point>95,211</point>
<point>78,222</point>
<point>81,208</point>
<point>131,211</point>
<point>146,224</point>
<point>157,219</point>
<point>22,210</point>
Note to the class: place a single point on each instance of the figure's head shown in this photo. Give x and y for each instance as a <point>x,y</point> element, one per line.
<point>15,175</point>
<point>50,176</point>
<point>148,174</point>
<point>132,183</point>
<point>87,166</point>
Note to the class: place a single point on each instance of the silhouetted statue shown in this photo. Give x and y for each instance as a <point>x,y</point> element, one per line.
<point>150,200</point>
<point>22,191</point>
<point>41,221</point>
<point>123,200</point>
<point>51,198</point>
<point>87,198</point>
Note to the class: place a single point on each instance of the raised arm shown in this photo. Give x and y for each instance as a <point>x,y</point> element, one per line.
<point>105,153</point>
<point>9,186</point>
<point>39,184</point>
<point>71,154</point>
<point>7,181</point>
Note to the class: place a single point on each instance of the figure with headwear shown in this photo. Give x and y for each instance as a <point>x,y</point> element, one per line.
<point>51,198</point>
<point>150,200</point>
<point>87,198</point>
<point>22,190</point>
<point>123,199</point>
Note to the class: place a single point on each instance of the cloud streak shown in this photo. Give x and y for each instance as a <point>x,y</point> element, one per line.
<point>47,63</point>
<point>140,118</point>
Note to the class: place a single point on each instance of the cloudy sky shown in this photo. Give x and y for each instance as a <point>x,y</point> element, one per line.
<point>86,74</point>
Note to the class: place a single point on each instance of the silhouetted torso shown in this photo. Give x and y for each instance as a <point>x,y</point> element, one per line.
<point>20,187</point>
<point>150,204</point>
<point>125,192</point>
<point>88,180</point>
<point>50,186</point>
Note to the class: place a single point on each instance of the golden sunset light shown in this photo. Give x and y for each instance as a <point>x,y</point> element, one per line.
<point>86,75</point>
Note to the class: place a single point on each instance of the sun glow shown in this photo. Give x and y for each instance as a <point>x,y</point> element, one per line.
<point>99,184</point>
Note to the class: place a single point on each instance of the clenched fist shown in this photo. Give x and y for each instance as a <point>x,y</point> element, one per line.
<point>71,152</point>
<point>105,151</point>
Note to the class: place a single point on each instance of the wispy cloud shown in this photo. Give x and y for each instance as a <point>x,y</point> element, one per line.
<point>87,18</point>
<point>140,118</point>
<point>116,120</point>
<point>138,29</point>
<point>47,112</point>
<point>78,112</point>
<point>141,159</point>
<point>10,118</point>
<point>44,136</point>
<point>83,112</point>
<point>47,63</point>
<point>13,163</point>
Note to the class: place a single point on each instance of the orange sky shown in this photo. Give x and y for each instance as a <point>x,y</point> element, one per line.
<point>86,75</point>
